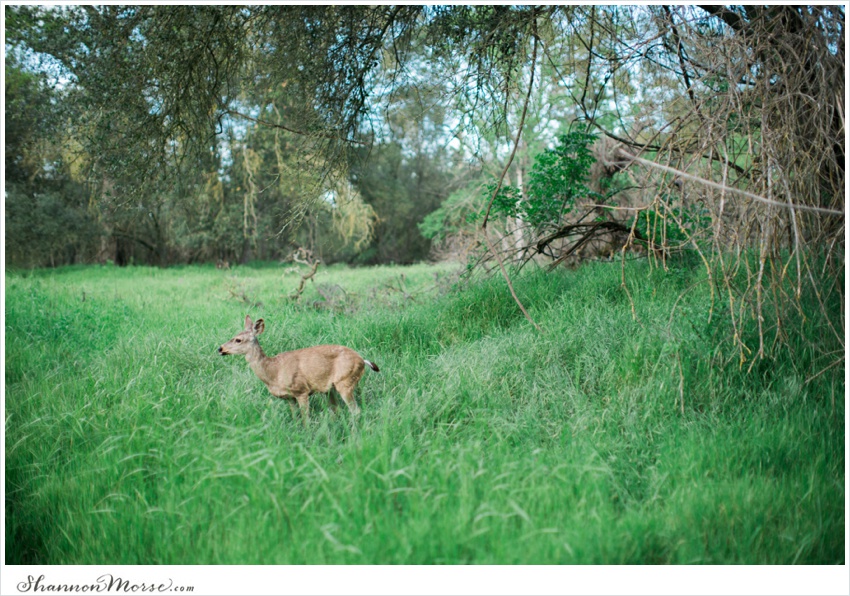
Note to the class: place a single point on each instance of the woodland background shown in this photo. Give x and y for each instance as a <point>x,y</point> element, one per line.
<point>164,135</point>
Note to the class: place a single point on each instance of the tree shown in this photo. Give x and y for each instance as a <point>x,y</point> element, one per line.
<point>46,205</point>
<point>739,121</point>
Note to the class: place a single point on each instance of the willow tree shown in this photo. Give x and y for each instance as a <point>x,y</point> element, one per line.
<point>740,144</point>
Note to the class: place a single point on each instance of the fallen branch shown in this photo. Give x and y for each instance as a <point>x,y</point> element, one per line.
<point>588,231</point>
<point>239,292</point>
<point>305,257</point>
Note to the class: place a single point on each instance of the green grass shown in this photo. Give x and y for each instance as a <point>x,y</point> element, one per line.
<point>130,441</point>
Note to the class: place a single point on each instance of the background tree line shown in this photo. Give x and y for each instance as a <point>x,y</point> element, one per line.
<point>187,134</point>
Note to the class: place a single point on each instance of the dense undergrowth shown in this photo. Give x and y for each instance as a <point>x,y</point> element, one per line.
<point>620,435</point>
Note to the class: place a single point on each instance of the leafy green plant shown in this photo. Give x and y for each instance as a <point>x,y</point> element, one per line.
<point>557,179</point>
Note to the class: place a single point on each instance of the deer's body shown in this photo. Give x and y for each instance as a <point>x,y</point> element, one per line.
<point>296,375</point>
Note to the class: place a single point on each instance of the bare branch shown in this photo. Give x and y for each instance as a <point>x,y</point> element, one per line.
<point>718,186</point>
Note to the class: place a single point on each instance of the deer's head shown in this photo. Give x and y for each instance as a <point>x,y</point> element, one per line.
<point>243,342</point>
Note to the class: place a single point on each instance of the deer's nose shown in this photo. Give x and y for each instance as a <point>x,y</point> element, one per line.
<point>221,351</point>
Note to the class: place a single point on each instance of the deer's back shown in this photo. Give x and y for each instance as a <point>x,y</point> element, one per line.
<point>317,368</point>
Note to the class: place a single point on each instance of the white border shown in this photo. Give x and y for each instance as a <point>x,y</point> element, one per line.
<point>416,580</point>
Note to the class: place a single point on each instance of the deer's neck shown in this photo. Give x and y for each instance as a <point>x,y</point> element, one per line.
<point>257,361</point>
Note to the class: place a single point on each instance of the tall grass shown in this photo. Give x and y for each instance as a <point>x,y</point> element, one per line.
<point>615,437</point>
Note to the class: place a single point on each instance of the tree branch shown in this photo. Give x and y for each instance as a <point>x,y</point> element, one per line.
<point>292,130</point>
<point>518,136</point>
<point>505,171</point>
<point>733,19</point>
<point>680,52</point>
<point>725,188</point>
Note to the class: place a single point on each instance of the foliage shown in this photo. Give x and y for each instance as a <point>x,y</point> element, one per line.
<point>46,206</point>
<point>46,227</point>
<point>557,179</point>
<point>460,210</point>
<point>402,188</point>
<point>609,440</point>
<point>29,121</point>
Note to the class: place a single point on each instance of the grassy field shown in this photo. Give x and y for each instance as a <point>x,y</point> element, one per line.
<point>607,439</point>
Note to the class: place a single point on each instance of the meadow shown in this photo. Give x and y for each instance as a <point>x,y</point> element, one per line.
<point>620,435</point>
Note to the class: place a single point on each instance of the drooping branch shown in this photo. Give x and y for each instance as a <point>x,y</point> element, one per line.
<point>487,239</point>
<point>261,122</point>
<point>680,53</point>
<point>518,135</point>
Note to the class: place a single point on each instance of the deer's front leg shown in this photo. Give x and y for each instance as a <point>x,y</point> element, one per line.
<point>293,406</point>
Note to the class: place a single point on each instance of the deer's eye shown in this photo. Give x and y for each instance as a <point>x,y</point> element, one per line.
<point>239,341</point>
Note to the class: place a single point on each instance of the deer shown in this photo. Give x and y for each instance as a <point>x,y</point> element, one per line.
<point>296,375</point>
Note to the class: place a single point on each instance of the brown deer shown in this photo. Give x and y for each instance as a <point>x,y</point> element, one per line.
<point>296,375</point>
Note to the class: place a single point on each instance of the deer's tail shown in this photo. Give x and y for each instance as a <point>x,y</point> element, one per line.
<point>372,365</point>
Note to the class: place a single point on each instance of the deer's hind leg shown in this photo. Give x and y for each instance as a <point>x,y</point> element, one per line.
<point>346,390</point>
<point>333,401</point>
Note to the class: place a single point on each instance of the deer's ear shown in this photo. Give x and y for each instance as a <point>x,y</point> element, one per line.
<point>249,324</point>
<point>259,326</point>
